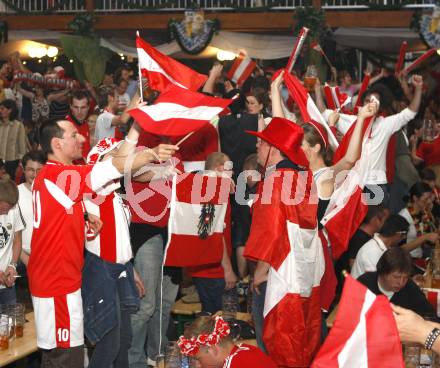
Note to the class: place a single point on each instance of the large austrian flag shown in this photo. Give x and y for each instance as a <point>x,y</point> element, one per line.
<point>196,228</point>
<point>161,70</point>
<point>348,206</point>
<point>284,234</point>
<point>364,334</point>
<point>241,69</point>
<point>309,111</point>
<point>178,111</point>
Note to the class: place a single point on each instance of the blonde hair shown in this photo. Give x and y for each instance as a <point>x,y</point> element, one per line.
<point>215,159</point>
<point>8,192</point>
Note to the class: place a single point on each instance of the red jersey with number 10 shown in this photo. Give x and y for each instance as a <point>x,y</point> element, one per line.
<point>58,236</point>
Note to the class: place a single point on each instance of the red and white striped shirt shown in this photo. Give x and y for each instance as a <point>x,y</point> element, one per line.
<point>112,244</point>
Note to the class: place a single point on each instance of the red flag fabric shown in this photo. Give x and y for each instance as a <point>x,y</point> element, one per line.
<point>362,90</point>
<point>197,220</point>
<point>241,69</point>
<point>401,59</point>
<point>364,334</point>
<point>161,70</point>
<point>420,60</point>
<point>285,235</point>
<point>309,111</point>
<point>178,111</point>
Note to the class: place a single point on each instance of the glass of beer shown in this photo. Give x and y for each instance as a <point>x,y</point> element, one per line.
<point>310,78</point>
<point>4,332</point>
<point>17,314</point>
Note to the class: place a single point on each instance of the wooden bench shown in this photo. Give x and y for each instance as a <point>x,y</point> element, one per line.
<point>184,312</point>
<point>22,347</point>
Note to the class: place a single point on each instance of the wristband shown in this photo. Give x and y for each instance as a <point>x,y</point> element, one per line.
<point>128,140</point>
<point>13,265</point>
<point>430,339</point>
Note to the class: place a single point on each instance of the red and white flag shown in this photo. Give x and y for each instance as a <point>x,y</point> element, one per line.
<point>241,69</point>
<point>285,236</point>
<point>161,70</point>
<point>364,334</point>
<point>309,111</point>
<point>334,98</point>
<point>178,111</point>
<point>196,226</point>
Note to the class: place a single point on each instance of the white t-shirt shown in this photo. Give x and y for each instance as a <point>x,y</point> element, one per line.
<point>9,225</point>
<point>104,127</point>
<point>367,257</point>
<point>27,212</point>
<point>376,145</point>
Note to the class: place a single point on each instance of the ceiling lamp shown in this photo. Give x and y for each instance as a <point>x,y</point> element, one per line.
<point>52,51</point>
<point>223,55</point>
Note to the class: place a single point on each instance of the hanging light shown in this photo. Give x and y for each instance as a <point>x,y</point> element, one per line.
<point>39,61</point>
<point>32,52</point>
<point>223,55</point>
<point>71,61</point>
<point>52,51</point>
<point>41,52</point>
<point>438,51</point>
<point>24,62</point>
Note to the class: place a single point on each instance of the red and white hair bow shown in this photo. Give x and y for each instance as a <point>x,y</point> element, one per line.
<point>192,345</point>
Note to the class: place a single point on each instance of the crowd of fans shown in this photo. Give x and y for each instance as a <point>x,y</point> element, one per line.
<point>386,252</point>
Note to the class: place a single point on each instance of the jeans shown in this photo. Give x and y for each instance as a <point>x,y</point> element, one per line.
<point>112,349</point>
<point>145,323</point>
<point>210,293</point>
<point>257,314</point>
<point>8,295</point>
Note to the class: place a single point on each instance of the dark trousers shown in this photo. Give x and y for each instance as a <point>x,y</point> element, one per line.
<point>8,295</point>
<point>63,358</point>
<point>210,293</point>
<point>257,314</point>
<point>112,349</point>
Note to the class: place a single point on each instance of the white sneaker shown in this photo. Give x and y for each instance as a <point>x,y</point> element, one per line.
<point>151,362</point>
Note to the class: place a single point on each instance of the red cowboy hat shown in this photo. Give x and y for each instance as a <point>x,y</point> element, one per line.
<point>285,136</point>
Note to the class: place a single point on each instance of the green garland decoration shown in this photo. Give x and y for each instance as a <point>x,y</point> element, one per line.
<point>313,19</point>
<point>58,5</point>
<point>83,24</point>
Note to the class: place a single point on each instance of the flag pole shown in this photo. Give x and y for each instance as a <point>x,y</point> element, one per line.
<point>401,59</point>
<point>419,60</point>
<point>184,138</point>
<point>141,88</point>
<point>297,48</point>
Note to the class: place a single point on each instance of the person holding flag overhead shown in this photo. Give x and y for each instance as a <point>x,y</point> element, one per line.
<point>287,248</point>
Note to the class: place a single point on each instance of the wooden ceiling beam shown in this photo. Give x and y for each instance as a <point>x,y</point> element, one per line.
<point>243,22</point>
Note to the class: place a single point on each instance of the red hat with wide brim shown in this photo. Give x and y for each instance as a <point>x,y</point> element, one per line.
<point>285,136</point>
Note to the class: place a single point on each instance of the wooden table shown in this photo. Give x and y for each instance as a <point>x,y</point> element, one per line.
<point>23,346</point>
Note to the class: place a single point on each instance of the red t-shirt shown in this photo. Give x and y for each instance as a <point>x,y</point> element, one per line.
<point>244,355</point>
<point>83,129</point>
<point>430,152</point>
<point>58,235</point>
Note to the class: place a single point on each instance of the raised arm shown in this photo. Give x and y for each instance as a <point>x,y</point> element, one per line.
<point>214,74</point>
<point>417,82</point>
<point>354,147</point>
<point>25,92</point>
<point>319,98</point>
<point>275,95</point>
